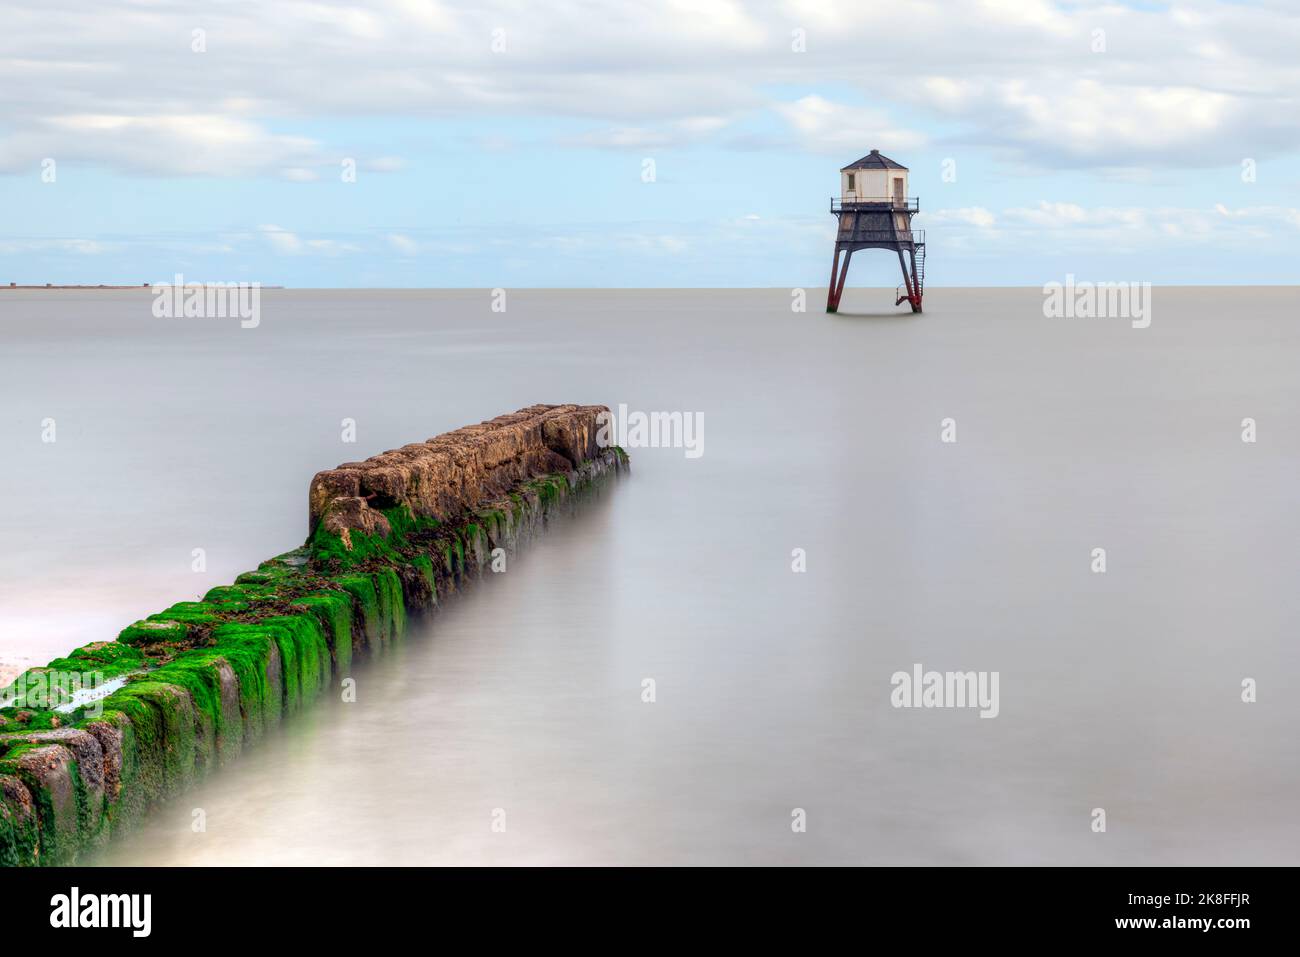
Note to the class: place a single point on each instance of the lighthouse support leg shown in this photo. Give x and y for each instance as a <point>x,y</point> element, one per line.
<point>837,286</point>
<point>907,283</point>
<point>832,300</point>
<point>916,282</point>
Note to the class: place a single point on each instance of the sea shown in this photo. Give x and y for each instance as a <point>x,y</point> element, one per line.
<point>707,663</point>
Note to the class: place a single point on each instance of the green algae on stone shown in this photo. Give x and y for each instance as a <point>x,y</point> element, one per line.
<point>205,678</point>
<point>167,731</point>
<point>270,573</point>
<point>47,773</point>
<point>149,632</point>
<point>391,605</point>
<point>419,583</point>
<point>333,609</point>
<point>19,825</point>
<point>305,654</point>
<point>255,659</point>
<point>365,608</point>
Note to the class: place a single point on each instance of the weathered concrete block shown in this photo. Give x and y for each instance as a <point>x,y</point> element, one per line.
<point>453,474</point>
<point>391,536</point>
<point>19,826</point>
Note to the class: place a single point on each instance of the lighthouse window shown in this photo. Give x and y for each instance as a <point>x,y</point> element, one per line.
<point>851,187</point>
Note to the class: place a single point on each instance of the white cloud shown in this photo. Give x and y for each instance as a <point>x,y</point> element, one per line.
<point>1200,84</point>
<point>1039,15</point>
<point>384,164</point>
<point>691,129</point>
<point>1022,76</point>
<point>828,127</point>
<point>166,144</point>
<point>1087,228</point>
<point>970,215</point>
<point>281,240</point>
<point>1289,215</point>
<point>291,244</point>
<point>1051,215</point>
<point>82,247</point>
<point>403,244</point>
<point>1101,123</point>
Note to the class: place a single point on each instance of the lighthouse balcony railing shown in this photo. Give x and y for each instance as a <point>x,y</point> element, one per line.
<point>849,201</point>
<point>903,236</point>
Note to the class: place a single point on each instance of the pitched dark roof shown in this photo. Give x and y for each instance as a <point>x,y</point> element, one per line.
<point>874,160</point>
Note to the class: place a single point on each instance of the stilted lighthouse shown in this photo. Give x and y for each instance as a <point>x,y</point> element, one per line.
<point>875,212</point>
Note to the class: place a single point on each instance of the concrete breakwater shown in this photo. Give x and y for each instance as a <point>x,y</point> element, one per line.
<point>182,692</point>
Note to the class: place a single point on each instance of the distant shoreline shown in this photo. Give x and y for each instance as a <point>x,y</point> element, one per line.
<point>48,285</point>
<point>143,285</point>
<point>642,289</point>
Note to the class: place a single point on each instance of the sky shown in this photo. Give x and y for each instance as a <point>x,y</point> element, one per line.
<point>627,143</point>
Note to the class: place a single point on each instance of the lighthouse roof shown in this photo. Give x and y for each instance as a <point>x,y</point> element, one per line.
<point>875,160</point>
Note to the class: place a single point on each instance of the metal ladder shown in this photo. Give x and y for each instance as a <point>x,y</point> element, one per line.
<point>900,291</point>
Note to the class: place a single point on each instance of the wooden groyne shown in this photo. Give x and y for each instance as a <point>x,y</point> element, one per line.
<point>182,692</point>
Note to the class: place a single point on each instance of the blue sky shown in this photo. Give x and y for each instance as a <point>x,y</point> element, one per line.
<point>503,144</point>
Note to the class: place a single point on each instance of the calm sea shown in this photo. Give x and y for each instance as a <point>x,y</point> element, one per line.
<point>513,728</point>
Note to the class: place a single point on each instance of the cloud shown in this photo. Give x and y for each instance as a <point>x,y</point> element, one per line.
<point>828,127</point>
<point>1051,215</point>
<point>970,215</point>
<point>1289,215</point>
<point>281,240</point>
<point>1093,123</point>
<point>403,244</point>
<point>171,144</point>
<point>1201,84</point>
<point>291,244</point>
<point>82,247</point>
<point>1037,15</point>
<point>1087,228</point>
<point>1076,85</point>
<point>684,132</point>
